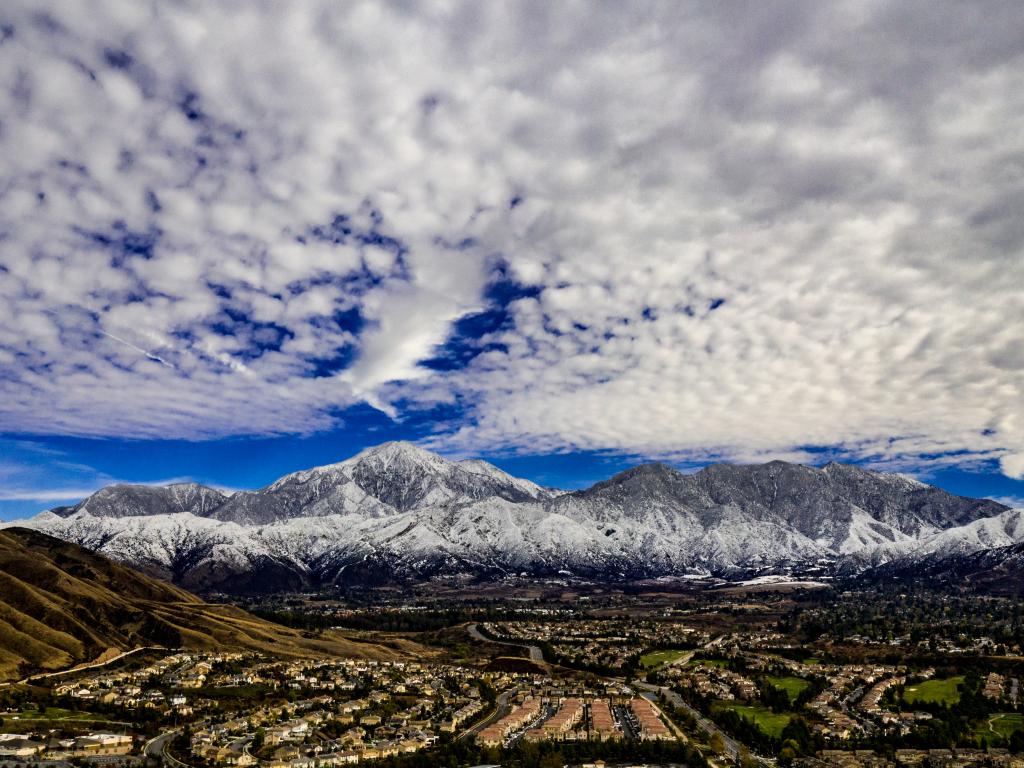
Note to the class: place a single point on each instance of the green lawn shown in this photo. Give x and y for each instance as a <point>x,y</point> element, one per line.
<point>658,658</point>
<point>57,713</point>
<point>1003,723</point>
<point>934,691</point>
<point>770,722</point>
<point>793,686</point>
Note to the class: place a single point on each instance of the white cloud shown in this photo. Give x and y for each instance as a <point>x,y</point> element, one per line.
<point>46,494</point>
<point>751,230</point>
<point>1013,465</point>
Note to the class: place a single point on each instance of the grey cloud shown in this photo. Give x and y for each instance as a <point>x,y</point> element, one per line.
<point>841,182</point>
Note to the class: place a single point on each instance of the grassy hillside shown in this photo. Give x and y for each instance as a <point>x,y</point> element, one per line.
<point>62,605</point>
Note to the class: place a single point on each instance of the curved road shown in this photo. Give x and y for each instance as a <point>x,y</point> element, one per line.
<point>157,748</point>
<point>536,654</point>
<point>501,708</point>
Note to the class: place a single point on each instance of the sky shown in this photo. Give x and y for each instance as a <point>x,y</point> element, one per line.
<point>240,239</point>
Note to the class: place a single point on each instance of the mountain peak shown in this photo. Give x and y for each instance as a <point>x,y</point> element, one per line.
<point>651,468</point>
<point>400,452</point>
<point>397,448</point>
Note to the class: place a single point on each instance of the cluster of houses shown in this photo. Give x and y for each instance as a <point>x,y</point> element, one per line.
<point>146,687</point>
<point>321,713</point>
<point>293,741</point>
<point>610,643</point>
<point>543,712</point>
<point>715,682</point>
<point>914,758</point>
<point>995,686</point>
<point>839,720</point>
<point>851,705</point>
<point>650,725</point>
<point>558,727</point>
<point>583,715</point>
<point>15,746</point>
<point>521,716</point>
<point>404,707</point>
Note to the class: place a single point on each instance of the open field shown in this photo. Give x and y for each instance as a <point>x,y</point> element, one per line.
<point>934,691</point>
<point>793,686</point>
<point>770,722</point>
<point>658,658</point>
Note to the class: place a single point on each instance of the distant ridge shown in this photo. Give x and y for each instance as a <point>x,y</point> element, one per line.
<point>399,513</point>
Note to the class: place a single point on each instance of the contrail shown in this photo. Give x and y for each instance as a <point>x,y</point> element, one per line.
<point>140,350</point>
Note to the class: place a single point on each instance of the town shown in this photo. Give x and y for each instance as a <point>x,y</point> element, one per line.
<point>751,680</point>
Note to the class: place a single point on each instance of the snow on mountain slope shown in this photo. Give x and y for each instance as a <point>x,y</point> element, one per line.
<point>136,500</point>
<point>866,534</point>
<point>398,512</point>
<point>991,570</point>
<point>393,476</point>
<point>986,533</point>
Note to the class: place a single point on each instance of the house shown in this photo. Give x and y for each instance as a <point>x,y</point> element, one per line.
<point>14,745</point>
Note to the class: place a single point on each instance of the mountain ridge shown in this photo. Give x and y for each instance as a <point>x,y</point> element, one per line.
<point>397,511</point>
<point>62,605</point>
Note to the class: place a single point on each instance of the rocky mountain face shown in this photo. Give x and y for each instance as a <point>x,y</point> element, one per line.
<point>145,500</point>
<point>377,482</point>
<point>399,513</point>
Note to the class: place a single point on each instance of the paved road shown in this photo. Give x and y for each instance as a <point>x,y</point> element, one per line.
<point>619,712</point>
<point>83,667</point>
<point>157,746</point>
<point>501,708</point>
<point>536,654</point>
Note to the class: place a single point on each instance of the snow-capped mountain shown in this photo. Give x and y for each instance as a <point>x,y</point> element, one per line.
<point>997,570</point>
<point>145,500</point>
<point>398,512</point>
<point>377,482</point>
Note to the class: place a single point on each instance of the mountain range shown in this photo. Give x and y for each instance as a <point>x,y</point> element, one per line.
<point>61,605</point>
<point>399,513</point>
<point>994,571</point>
